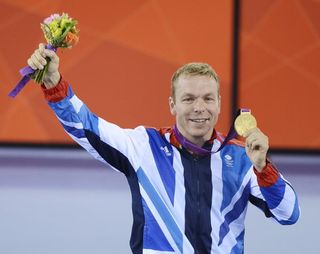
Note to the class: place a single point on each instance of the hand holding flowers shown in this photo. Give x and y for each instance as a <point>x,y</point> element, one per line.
<point>60,32</point>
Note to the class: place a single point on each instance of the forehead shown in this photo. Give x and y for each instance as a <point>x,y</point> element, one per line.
<point>196,85</point>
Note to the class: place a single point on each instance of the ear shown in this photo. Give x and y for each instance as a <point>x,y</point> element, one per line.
<point>172,106</point>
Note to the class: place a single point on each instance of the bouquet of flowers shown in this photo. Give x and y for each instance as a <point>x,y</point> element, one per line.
<point>60,32</point>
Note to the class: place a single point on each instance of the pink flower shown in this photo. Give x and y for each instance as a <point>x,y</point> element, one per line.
<point>48,20</point>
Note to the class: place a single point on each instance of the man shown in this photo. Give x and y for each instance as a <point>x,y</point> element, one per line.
<point>188,196</point>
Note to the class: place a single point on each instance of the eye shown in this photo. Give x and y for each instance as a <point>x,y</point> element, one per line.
<point>209,99</point>
<point>187,99</point>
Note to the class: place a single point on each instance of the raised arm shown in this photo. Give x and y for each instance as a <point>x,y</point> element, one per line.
<point>107,142</point>
<point>270,191</point>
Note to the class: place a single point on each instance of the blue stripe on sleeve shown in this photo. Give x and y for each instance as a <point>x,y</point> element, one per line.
<point>89,120</point>
<point>70,92</point>
<point>65,111</point>
<point>64,108</point>
<point>294,216</point>
<point>274,193</point>
<point>79,133</point>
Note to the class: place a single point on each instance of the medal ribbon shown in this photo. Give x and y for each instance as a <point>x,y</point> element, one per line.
<point>27,73</point>
<point>202,151</point>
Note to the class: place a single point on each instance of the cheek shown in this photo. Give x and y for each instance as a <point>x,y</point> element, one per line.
<point>182,111</point>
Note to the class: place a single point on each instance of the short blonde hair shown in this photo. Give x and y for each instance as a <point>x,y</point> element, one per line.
<point>194,69</point>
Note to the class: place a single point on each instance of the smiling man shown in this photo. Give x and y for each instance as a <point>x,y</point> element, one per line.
<point>195,102</point>
<point>189,194</point>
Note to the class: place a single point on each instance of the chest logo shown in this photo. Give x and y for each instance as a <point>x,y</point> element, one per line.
<point>166,150</point>
<point>228,160</point>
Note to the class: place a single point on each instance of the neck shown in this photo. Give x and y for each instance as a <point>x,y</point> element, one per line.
<point>199,142</point>
<point>189,145</point>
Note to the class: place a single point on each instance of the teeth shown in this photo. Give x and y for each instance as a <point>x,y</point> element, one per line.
<point>199,120</point>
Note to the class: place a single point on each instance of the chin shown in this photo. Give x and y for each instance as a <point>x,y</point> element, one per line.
<point>204,133</point>
<point>199,134</point>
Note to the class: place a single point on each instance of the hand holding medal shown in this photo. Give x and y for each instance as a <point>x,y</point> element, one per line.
<point>256,142</point>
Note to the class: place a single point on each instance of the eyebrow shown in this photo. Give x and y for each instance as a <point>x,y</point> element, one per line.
<point>192,95</point>
<point>187,94</point>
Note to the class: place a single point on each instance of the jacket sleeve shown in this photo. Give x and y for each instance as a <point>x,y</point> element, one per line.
<point>274,195</point>
<point>107,142</point>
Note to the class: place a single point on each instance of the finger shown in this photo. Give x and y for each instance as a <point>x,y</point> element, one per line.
<point>40,56</point>
<point>31,64</point>
<point>255,145</point>
<point>37,59</point>
<point>41,50</point>
<point>250,132</point>
<point>52,55</point>
<point>42,46</point>
<point>249,143</point>
<point>259,144</point>
<point>34,60</point>
<point>48,53</point>
<point>251,137</point>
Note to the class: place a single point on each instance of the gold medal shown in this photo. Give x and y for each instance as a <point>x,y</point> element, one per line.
<point>244,122</point>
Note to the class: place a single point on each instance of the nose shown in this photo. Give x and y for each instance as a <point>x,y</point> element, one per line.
<point>199,106</point>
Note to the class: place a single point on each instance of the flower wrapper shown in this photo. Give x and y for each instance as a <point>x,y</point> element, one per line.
<point>60,32</point>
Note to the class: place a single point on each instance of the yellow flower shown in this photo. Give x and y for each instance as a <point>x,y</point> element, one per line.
<point>53,25</point>
<point>64,22</point>
<point>57,33</point>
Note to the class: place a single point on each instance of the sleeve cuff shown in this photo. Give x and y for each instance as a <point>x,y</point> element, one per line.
<point>57,93</point>
<point>268,176</point>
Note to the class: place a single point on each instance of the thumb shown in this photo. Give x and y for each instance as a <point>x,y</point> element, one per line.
<point>52,55</point>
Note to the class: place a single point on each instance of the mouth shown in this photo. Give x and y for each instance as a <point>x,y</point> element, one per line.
<point>199,120</point>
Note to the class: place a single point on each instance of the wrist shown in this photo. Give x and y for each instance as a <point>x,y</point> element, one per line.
<point>56,93</point>
<point>261,166</point>
<point>268,176</point>
<point>52,81</point>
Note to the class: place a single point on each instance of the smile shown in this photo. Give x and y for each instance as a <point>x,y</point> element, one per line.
<point>200,120</point>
